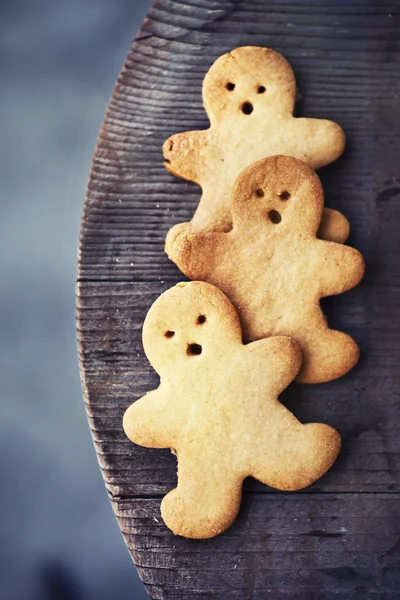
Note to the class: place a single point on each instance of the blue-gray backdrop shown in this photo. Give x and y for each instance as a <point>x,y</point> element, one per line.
<point>59,60</point>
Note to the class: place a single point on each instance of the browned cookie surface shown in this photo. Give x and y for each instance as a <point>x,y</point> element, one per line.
<point>272,266</point>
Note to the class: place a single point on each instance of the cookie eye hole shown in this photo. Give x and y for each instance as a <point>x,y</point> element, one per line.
<point>261,89</point>
<point>284,195</point>
<point>247,108</point>
<point>274,217</point>
<point>260,192</point>
<point>201,319</point>
<point>169,334</point>
<point>194,350</point>
<point>230,86</point>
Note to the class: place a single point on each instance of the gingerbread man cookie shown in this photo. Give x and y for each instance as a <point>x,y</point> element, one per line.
<point>272,266</point>
<point>249,96</point>
<point>217,408</point>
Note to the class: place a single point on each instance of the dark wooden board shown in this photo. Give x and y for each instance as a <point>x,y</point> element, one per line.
<point>300,547</point>
<point>341,537</point>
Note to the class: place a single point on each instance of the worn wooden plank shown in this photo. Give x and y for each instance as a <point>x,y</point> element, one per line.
<point>282,546</point>
<point>339,538</point>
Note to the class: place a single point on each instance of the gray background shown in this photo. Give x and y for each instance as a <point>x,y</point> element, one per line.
<point>59,60</point>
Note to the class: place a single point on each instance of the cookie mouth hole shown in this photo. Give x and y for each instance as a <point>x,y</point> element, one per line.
<point>194,350</point>
<point>260,192</point>
<point>247,108</point>
<point>284,195</point>
<point>230,86</point>
<point>201,319</point>
<point>169,334</point>
<point>274,217</point>
<point>261,89</point>
<point>166,160</point>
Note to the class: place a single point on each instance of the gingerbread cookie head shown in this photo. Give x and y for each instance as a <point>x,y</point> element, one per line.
<point>249,83</point>
<point>187,321</point>
<point>281,191</point>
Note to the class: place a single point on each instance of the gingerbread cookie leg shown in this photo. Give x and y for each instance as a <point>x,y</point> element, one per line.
<point>207,498</point>
<point>293,455</point>
<point>328,354</point>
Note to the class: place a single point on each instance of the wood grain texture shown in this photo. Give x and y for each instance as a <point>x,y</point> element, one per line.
<point>310,546</point>
<point>346,56</point>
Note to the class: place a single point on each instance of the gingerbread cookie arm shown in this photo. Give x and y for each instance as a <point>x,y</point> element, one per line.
<point>280,356</point>
<point>184,154</point>
<point>322,142</point>
<point>334,226</point>
<point>149,421</point>
<point>338,268</point>
<point>191,251</point>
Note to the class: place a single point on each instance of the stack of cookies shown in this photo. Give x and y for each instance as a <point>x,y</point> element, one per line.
<point>262,251</point>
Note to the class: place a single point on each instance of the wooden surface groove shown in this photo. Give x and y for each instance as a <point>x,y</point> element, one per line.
<point>341,537</point>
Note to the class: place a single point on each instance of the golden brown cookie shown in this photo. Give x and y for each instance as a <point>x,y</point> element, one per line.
<point>249,96</point>
<point>272,266</point>
<point>217,408</point>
